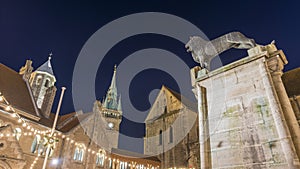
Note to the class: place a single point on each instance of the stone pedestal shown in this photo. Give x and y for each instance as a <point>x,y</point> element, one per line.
<point>251,123</point>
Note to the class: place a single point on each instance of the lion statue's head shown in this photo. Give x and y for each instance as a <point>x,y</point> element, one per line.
<point>196,45</point>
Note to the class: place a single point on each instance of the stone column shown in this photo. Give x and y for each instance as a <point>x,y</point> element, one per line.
<point>205,157</point>
<point>280,123</point>
<point>275,65</point>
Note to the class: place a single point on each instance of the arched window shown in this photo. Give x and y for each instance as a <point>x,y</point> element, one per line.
<point>18,133</point>
<point>160,137</point>
<point>110,163</point>
<point>41,148</point>
<point>35,143</point>
<point>38,146</point>
<point>38,80</point>
<point>100,158</point>
<point>47,83</point>
<point>123,165</point>
<point>171,135</point>
<point>79,153</point>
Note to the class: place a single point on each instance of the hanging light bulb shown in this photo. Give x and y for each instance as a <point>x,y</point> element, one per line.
<point>1,98</point>
<point>7,108</point>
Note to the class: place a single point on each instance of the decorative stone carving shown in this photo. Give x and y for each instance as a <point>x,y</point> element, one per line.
<point>204,51</point>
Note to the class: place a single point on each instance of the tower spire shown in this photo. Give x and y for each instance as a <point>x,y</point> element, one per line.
<point>111,99</point>
<point>46,67</point>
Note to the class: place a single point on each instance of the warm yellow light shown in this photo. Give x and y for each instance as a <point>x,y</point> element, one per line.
<point>1,98</point>
<point>14,115</point>
<point>24,124</point>
<point>7,108</point>
<point>19,120</point>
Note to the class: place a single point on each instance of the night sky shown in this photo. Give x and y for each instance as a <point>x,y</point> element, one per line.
<point>33,29</point>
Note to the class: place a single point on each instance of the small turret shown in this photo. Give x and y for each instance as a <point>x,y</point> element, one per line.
<point>42,83</point>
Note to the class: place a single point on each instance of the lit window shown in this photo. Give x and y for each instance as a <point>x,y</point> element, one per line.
<point>100,158</point>
<point>123,165</point>
<point>110,163</point>
<point>18,133</point>
<point>38,80</point>
<point>79,152</point>
<point>35,143</point>
<point>38,146</point>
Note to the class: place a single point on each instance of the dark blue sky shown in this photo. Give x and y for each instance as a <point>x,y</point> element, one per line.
<point>33,29</point>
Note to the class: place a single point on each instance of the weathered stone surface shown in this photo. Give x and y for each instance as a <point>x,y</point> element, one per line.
<point>246,123</point>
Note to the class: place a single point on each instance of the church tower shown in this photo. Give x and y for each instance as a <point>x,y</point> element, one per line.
<point>42,82</point>
<point>111,106</point>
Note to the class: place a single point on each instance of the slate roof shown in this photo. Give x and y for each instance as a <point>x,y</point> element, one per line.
<point>291,81</point>
<point>46,67</point>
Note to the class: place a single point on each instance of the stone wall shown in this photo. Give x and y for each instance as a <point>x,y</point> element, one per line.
<point>245,119</point>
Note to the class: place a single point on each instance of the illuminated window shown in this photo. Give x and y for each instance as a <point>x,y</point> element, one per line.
<point>38,146</point>
<point>79,153</point>
<point>18,133</point>
<point>123,165</point>
<point>100,158</point>
<point>110,163</point>
<point>35,143</point>
<point>38,80</point>
<point>160,137</point>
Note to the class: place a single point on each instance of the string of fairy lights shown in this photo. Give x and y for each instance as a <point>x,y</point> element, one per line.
<point>32,131</point>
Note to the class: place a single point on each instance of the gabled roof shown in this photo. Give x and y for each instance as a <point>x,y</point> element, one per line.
<point>69,121</point>
<point>183,100</point>
<point>46,67</point>
<point>291,81</point>
<point>16,91</point>
<point>189,104</point>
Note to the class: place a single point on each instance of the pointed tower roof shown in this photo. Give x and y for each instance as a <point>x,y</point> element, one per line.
<point>111,99</point>
<point>46,67</point>
<point>113,86</point>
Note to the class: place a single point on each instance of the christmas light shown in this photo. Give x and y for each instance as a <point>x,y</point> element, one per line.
<point>7,108</point>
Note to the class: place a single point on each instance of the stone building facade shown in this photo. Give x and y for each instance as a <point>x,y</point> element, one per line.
<point>172,131</point>
<point>26,99</point>
<point>245,115</point>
